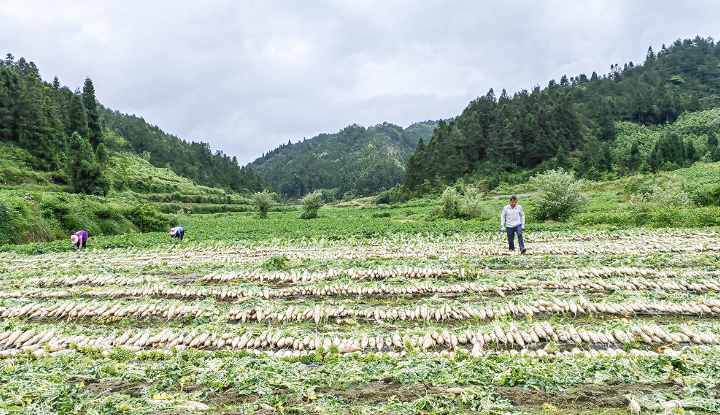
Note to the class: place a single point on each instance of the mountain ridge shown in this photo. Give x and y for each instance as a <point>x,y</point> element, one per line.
<point>356,161</point>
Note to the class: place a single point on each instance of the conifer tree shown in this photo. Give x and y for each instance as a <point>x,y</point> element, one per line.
<point>634,161</point>
<point>85,171</point>
<point>712,141</point>
<point>77,117</point>
<point>95,136</point>
<point>102,154</point>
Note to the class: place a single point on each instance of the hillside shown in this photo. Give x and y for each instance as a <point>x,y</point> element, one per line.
<point>34,209</point>
<point>191,160</point>
<point>66,137</point>
<point>575,123</point>
<point>356,161</point>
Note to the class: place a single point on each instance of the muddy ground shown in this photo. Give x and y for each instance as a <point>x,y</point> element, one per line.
<point>589,399</point>
<point>606,399</point>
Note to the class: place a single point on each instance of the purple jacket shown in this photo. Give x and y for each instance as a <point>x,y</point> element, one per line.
<point>82,235</point>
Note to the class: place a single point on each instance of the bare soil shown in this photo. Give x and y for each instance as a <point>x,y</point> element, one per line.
<point>608,398</point>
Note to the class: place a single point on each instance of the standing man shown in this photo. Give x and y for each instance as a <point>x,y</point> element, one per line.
<point>512,220</point>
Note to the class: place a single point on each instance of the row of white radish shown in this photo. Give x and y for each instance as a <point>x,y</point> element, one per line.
<point>87,279</point>
<point>423,312</point>
<point>71,309</point>
<point>477,343</point>
<point>378,289</point>
<point>434,273</point>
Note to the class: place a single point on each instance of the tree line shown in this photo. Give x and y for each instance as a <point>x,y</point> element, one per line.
<point>572,123</point>
<point>65,132</point>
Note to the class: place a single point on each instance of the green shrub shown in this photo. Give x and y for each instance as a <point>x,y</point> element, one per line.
<point>264,201</point>
<point>276,263</point>
<point>658,192</point>
<point>558,196</point>
<point>311,203</point>
<point>27,223</point>
<point>147,218</point>
<point>473,206</point>
<point>616,218</point>
<point>397,194</point>
<point>450,203</point>
<point>7,219</point>
<point>706,195</point>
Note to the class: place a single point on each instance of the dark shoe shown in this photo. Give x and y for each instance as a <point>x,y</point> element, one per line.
<point>522,250</point>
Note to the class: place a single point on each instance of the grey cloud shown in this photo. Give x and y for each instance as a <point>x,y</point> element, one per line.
<point>248,76</point>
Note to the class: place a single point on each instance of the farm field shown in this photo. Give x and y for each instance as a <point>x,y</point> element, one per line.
<point>351,314</point>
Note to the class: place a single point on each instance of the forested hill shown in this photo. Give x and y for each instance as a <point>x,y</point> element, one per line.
<point>191,160</point>
<point>356,161</point>
<point>574,123</point>
<point>69,134</point>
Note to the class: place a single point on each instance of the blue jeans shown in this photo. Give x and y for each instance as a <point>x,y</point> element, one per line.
<point>511,237</point>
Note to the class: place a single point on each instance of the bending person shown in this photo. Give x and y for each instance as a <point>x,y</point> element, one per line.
<point>177,232</point>
<point>512,219</point>
<point>79,239</point>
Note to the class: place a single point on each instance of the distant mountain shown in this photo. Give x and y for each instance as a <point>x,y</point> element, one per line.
<point>356,161</point>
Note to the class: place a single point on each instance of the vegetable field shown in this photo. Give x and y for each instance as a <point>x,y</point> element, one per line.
<point>413,319</point>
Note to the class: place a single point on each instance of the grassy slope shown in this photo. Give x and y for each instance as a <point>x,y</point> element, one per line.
<point>35,209</point>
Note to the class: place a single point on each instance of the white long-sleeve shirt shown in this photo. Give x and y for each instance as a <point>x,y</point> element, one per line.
<point>512,217</point>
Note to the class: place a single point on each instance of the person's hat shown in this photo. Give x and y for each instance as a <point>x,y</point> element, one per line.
<point>74,239</point>
<point>173,231</point>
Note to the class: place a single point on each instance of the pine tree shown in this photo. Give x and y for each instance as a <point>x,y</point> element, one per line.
<point>690,150</point>
<point>102,154</point>
<point>415,170</point>
<point>650,57</point>
<point>561,157</point>
<point>712,142</point>
<point>85,171</point>
<point>78,117</point>
<point>605,163</point>
<point>95,135</point>
<point>634,160</point>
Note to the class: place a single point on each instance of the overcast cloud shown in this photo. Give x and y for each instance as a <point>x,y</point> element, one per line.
<point>246,76</point>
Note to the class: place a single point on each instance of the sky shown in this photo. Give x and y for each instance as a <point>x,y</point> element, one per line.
<point>247,76</point>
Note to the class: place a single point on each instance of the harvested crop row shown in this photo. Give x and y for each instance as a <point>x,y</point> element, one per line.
<point>131,292</point>
<point>53,349</point>
<point>380,289</point>
<point>433,273</point>
<point>71,310</point>
<point>91,280</point>
<point>423,312</point>
<point>318,313</point>
<point>530,340</point>
<point>632,271</point>
<point>359,274</point>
